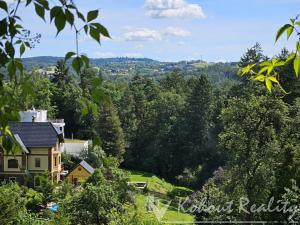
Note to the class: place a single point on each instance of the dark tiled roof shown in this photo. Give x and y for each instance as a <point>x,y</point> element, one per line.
<point>87,166</point>
<point>36,134</point>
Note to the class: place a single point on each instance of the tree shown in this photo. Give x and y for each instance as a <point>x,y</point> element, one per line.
<point>11,203</point>
<point>66,98</point>
<point>61,74</point>
<point>253,55</point>
<point>252,141</point>
<point>196,126</point>
<point>110,131</point>
<point>103,195</point>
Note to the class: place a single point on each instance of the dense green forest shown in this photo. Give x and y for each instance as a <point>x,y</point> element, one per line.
<point>224,140</point>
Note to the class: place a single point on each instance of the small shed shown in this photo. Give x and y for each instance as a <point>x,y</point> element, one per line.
<point>80,173</point>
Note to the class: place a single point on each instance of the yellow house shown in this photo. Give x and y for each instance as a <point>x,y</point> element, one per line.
<point>40,143</point>
<point>80,173</point>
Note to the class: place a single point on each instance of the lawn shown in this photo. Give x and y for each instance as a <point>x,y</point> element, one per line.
<point>164,192</point>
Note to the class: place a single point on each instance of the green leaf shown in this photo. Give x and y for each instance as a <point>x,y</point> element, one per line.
<point>268,84</point>
<point>290,58</point>
<point>22,49</point>
<point>282,30</point>
<point>9,48</point>
<point>297,65</point>
<point>44,3</point>
<point>76,64</point>
<point>262,70</point>
<point>86,29</point>
<point>273,79</point>
<point>80,16</point>
<point>69,55</point>
<point>92,15</point>
<point>3,27</point>
<point>102,29</point>
<point>298,47</point>
<point>260,78</point>
<point>3,6</point>
<point>55,11</point>
<point>95,34</point>
<point>70,17</point>
<point>60,23</point>
<point>28,2</point>
<point>289,32</point>
<point>40,11</point>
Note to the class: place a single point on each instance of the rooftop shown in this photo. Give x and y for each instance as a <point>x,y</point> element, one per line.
<point>37,134</point>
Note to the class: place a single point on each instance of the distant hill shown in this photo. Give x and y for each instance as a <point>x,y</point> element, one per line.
<point>124,68</point>
<point>45,61</point>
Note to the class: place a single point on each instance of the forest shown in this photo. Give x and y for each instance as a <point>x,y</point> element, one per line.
<point>212,134</point>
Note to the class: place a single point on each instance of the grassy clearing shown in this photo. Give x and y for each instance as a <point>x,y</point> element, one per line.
<point>164,192</point>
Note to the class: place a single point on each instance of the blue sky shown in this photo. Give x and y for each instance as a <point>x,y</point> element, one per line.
<point>172,30</point>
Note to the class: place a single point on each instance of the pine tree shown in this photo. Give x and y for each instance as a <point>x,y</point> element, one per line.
<point>195,128</point>
<point>110,131</point>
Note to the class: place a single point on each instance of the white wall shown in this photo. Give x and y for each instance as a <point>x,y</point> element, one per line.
<point>40,115</point>
<point>75,148</point>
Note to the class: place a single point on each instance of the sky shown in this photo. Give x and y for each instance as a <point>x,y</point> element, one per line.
<point>172,30</point>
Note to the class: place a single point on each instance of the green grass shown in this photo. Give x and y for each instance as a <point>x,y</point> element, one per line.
<point>164,191</point>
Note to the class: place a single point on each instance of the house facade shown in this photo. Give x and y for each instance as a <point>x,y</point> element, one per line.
<point>80,173</point>
<point>40,143</point>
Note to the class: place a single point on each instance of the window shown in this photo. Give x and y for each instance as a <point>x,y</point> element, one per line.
<point>79,168</point>
<point>55,161</point>
<point>12,163</point>
<point>37,162</point>
<point>59,160</point>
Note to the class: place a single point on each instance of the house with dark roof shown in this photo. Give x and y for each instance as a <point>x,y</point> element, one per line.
<point>80,173</point>
<point>40,143</point>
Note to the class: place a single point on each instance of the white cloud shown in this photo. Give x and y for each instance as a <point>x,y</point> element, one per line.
<point>105,54</point>
<point>173,8</point>
<point>133,55</point>
<point>146,34</point>
<point>142,34</point>
<point>176,31</point>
